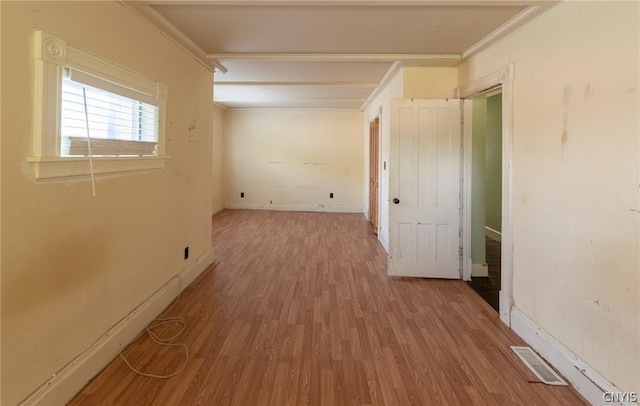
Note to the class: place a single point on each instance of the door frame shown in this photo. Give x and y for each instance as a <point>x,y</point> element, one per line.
<point>501,78</point>
<point>374,163</point>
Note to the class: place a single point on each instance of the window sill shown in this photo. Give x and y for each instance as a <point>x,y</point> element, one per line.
<point>56,169</point>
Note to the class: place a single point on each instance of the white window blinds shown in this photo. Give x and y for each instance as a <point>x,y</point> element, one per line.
<point>122,121</point>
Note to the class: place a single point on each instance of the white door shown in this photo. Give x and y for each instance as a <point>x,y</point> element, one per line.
<point>424,188</point>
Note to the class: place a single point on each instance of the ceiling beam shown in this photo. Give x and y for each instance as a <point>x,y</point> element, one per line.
<point>366,85</point>
<point>341,3</point>
<point>290,100</point>
<point>336,57</point>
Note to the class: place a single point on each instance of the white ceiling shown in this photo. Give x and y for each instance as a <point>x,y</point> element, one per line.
<point>330,54</point>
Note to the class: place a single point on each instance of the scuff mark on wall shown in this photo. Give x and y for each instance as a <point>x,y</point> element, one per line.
<point>605,307</point>
<point>193,125</point>
<point>314,163</point>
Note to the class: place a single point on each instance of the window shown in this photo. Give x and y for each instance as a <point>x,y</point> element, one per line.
<point>88,107</point>
<point>117,125</point>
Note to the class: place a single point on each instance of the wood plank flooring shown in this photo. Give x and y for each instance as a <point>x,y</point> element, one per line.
<point>298,310</point>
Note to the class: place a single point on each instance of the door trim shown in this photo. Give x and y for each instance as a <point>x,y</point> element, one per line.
<point>374,174</point>
<point>503,77</point>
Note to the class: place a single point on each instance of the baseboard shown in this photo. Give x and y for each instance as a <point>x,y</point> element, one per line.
<point>68,381</point>
<point>384,240</point>
<point>316,208</point>
<point>192,271</point>
<point>493,234</point>
<point>589,383</point>
<point>480,270</point>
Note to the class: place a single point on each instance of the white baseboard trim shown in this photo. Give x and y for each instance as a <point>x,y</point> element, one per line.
<point>316,208</point>
<point>384,240</point>
<point>493,234</point>
<point>192,271</point>
<point>68,381</point>
<point>589,383</point>
<point>480,270</point>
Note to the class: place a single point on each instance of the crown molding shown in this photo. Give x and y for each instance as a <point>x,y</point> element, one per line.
<point>514,25</point>
<point>383,83</point>
<point>145,12</point>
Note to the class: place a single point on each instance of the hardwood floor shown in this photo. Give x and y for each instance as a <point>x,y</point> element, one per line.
<point>298,310</point>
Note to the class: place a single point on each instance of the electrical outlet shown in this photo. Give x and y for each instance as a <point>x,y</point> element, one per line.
<point>186,252</point>
<point>330,195</point>
<point>242,194</point>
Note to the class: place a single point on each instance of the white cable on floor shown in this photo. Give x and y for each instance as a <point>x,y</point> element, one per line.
<point>161,320</point>
<point>86,116</point>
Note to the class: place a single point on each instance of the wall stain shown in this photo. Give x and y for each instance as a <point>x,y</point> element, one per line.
<point>588,92</point>
<point>566,101</point>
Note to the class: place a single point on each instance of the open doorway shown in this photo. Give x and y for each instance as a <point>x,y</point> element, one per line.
<point>500,84</point>
<point>486,195</point>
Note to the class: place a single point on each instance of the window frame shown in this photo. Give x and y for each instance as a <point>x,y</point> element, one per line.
<point>51,56</point>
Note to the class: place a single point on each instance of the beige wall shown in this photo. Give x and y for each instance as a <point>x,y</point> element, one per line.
<point>217,202</point>
<point>73,265</point>
<point>293,160</point>
<point>575,179</point>
<point>429,82</point>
